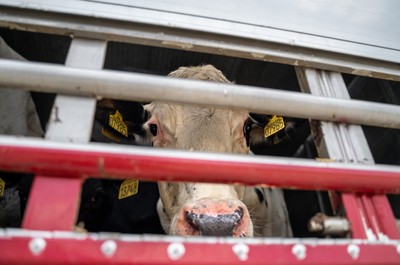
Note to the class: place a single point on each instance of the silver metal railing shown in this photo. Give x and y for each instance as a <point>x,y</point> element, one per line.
<point>142,87</point>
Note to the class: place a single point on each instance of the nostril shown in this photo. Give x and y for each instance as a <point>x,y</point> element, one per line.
<point>153,129</point>
<point>239,213</point>
<point>193,219</point>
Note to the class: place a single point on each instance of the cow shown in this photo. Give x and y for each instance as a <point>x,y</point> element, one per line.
<point>206,209</point>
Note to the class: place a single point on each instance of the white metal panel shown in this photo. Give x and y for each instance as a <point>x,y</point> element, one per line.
<point>149,26</point>
<point>72,117</point>
<point>360,21</point>
<point>363,28</point>
<point>338,141</point>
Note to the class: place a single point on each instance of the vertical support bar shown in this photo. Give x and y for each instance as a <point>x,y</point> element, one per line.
<point>72,117</point>
<point>372,217</point>
<point>356,214</point>
<point>385,216</point>
<point>347,143</point>
<point>53,202</point>
<point>340,142</point>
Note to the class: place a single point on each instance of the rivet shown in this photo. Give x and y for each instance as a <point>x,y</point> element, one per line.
<point>353,250</point>
<point>175,251</point>
<point>108,248</point>
<point>299,250</point>
<point>241,251</point>
<point>37,245</point>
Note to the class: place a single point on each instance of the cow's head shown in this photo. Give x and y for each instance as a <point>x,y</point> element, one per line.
<point>199,208</point>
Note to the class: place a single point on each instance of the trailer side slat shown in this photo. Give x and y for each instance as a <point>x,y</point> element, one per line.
<point>103,160</point>
<point>53,204</point>
<point>67,249</point>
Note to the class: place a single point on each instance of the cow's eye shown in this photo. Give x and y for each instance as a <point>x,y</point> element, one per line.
<point>153,129</point>
<point>246,130</point>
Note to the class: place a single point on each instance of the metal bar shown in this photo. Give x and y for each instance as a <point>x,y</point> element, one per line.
<point>371,216</point>
<point>340,142</point>
<point>346,143</point>
<point>356,214</point>
<point>30,247</point>
<point>133,86</point>
<point>53,204</point>
<point>385,216</point>
<point>246,44</point>
<point>72,117</point>
<point>102,160</point>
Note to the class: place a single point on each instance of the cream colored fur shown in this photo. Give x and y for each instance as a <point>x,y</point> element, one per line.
<point>212,130</point>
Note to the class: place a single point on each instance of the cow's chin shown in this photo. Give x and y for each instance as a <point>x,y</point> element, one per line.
<point>211,221</point>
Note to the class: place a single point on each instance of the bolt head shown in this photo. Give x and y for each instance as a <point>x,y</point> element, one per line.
<point>108,248</point>
<point>37,246</point>
<point>241,251</point>
<point>299,251</point>
<point>175,251</point>
<point>353,251</point>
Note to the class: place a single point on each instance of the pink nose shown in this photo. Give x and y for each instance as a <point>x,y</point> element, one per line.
<point>214,217</point>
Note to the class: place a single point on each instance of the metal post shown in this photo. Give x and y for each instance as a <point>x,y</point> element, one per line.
<point>347,143</point>
<point>53,203</point>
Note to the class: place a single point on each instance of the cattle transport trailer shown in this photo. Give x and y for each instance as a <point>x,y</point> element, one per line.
<point>334,48</point>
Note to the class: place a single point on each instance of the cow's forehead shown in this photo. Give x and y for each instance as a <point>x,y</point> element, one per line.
<point>193,114</point>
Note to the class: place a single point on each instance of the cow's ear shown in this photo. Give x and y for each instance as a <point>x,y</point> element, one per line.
<point>271,129</point>
<point>119,121</point>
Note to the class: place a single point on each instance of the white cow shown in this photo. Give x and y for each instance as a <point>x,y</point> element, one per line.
<point>211,209</point>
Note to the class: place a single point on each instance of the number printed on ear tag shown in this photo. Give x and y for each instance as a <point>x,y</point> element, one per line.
<point>128,188</point>
<point>274,125</point>
<point>117,123</point>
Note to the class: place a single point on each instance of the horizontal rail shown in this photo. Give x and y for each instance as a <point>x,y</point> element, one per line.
<point>222,38</point>
<point>36,247</point>
<point>134,86</point>
<point>103,160</point>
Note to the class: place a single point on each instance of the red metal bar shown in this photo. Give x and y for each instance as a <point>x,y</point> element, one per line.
<point>78,162</point>
<point>371,214</point>
<point>87,250</point>
<point>385,216</point>
<point>53,204</point>
<point>356,215</point>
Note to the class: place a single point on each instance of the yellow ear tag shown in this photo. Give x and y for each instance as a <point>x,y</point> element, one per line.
<point>274,125</point>
<point>117,123</point>
<point>2,187</point>
<point>128,188</point>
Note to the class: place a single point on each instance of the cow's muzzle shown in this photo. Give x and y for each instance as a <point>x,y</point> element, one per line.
<point>214,218</point>
<point>220,225</point>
